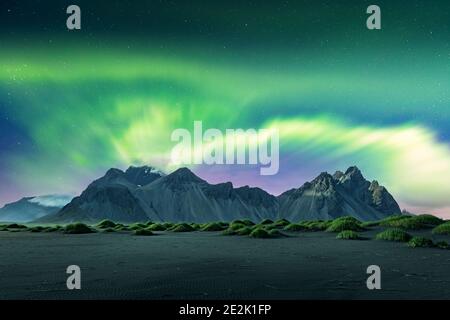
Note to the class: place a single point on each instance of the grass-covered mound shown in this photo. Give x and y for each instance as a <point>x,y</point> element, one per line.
<point>137,226</point>
<point>348,235</point>
<point>105,224</point>
<point>318,225</point>
<point>121,227</point>
<point>143,232</point>
<point>420,242</point>
<point>214,226</point>
<point>157,227</point>
<point>267,227</point>
<point>53,229</point>
<point>428,219</point>
<point>260,233</point>
<point>423,221</point>
<point>182,227</point>
<point>109,230</point>
<point>282,223</point>
<point>168,225</point>
<point>236,225</point>
<point>266,221</point>
<point>245,231</point>
<point>394,234</point>
<point>345,223</point>
<point>247,222</point>
<point>386,221</point>
<point>295,227</point>
<point>198,226</point>
<point>346,218</point>
<point>16,226</point>
<point>442,229</point>
<point>37,229</point>
<point>78,228</point>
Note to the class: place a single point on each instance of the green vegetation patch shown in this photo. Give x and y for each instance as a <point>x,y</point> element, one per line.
<point>295,227</point>
<point>157,227</point>
<point>260,233</point>
<point>16,226</point>
<point>245,231</point>
<point>420,242</point>
<point>318,225</point>
<point>342,224</point>
<point>182,227</point>
<point>423,221</point>
<point>78,228</point>
<point>37,229</point>
<point>104,224</point>
<point>348,235</point>
<point>236,225</point>
<point>214,226</point>
<point>137,226</point>
<point>282,223</point>
<point>394,234</point>
<point>121,227</point>
<point>442,229</point>
<point>143,232</point>
<point>266,221</point>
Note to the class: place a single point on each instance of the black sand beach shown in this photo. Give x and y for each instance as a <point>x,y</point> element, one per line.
<point>208,265</point>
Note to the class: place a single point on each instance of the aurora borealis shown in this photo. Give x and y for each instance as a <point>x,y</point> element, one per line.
<point>75,103</point>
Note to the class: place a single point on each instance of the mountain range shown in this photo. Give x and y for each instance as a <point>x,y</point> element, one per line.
<point>32,208</point>
<point>145,193</point>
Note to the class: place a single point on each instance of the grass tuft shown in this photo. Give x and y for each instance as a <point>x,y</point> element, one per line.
<point>16,226</point>
<point>259,233</point>
<point>442,229</point>
<point>420,242</point>
<point>214,226</point>
<point>294,227</point>
<point>78,228</point>
<point>182,227</point>
<point>143,232</point>
<point>105,224</point>
<point>348,235</point>
<point>394,235</point>
<point>345,223</point>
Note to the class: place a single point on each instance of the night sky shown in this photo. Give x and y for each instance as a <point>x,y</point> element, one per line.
<point>75,103</point>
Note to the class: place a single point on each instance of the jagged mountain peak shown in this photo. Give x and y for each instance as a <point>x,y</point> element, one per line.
<point>113,173</point>
<point>182,176</point>
<point>143,175</point>
<point>323,176</point>
<point>338,175</point>
<point>353,170</point>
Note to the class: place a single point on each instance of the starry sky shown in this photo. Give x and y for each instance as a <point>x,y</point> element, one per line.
<point>75,103</point>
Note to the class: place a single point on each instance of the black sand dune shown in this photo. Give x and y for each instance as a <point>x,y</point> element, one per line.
<point>207,265</point>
